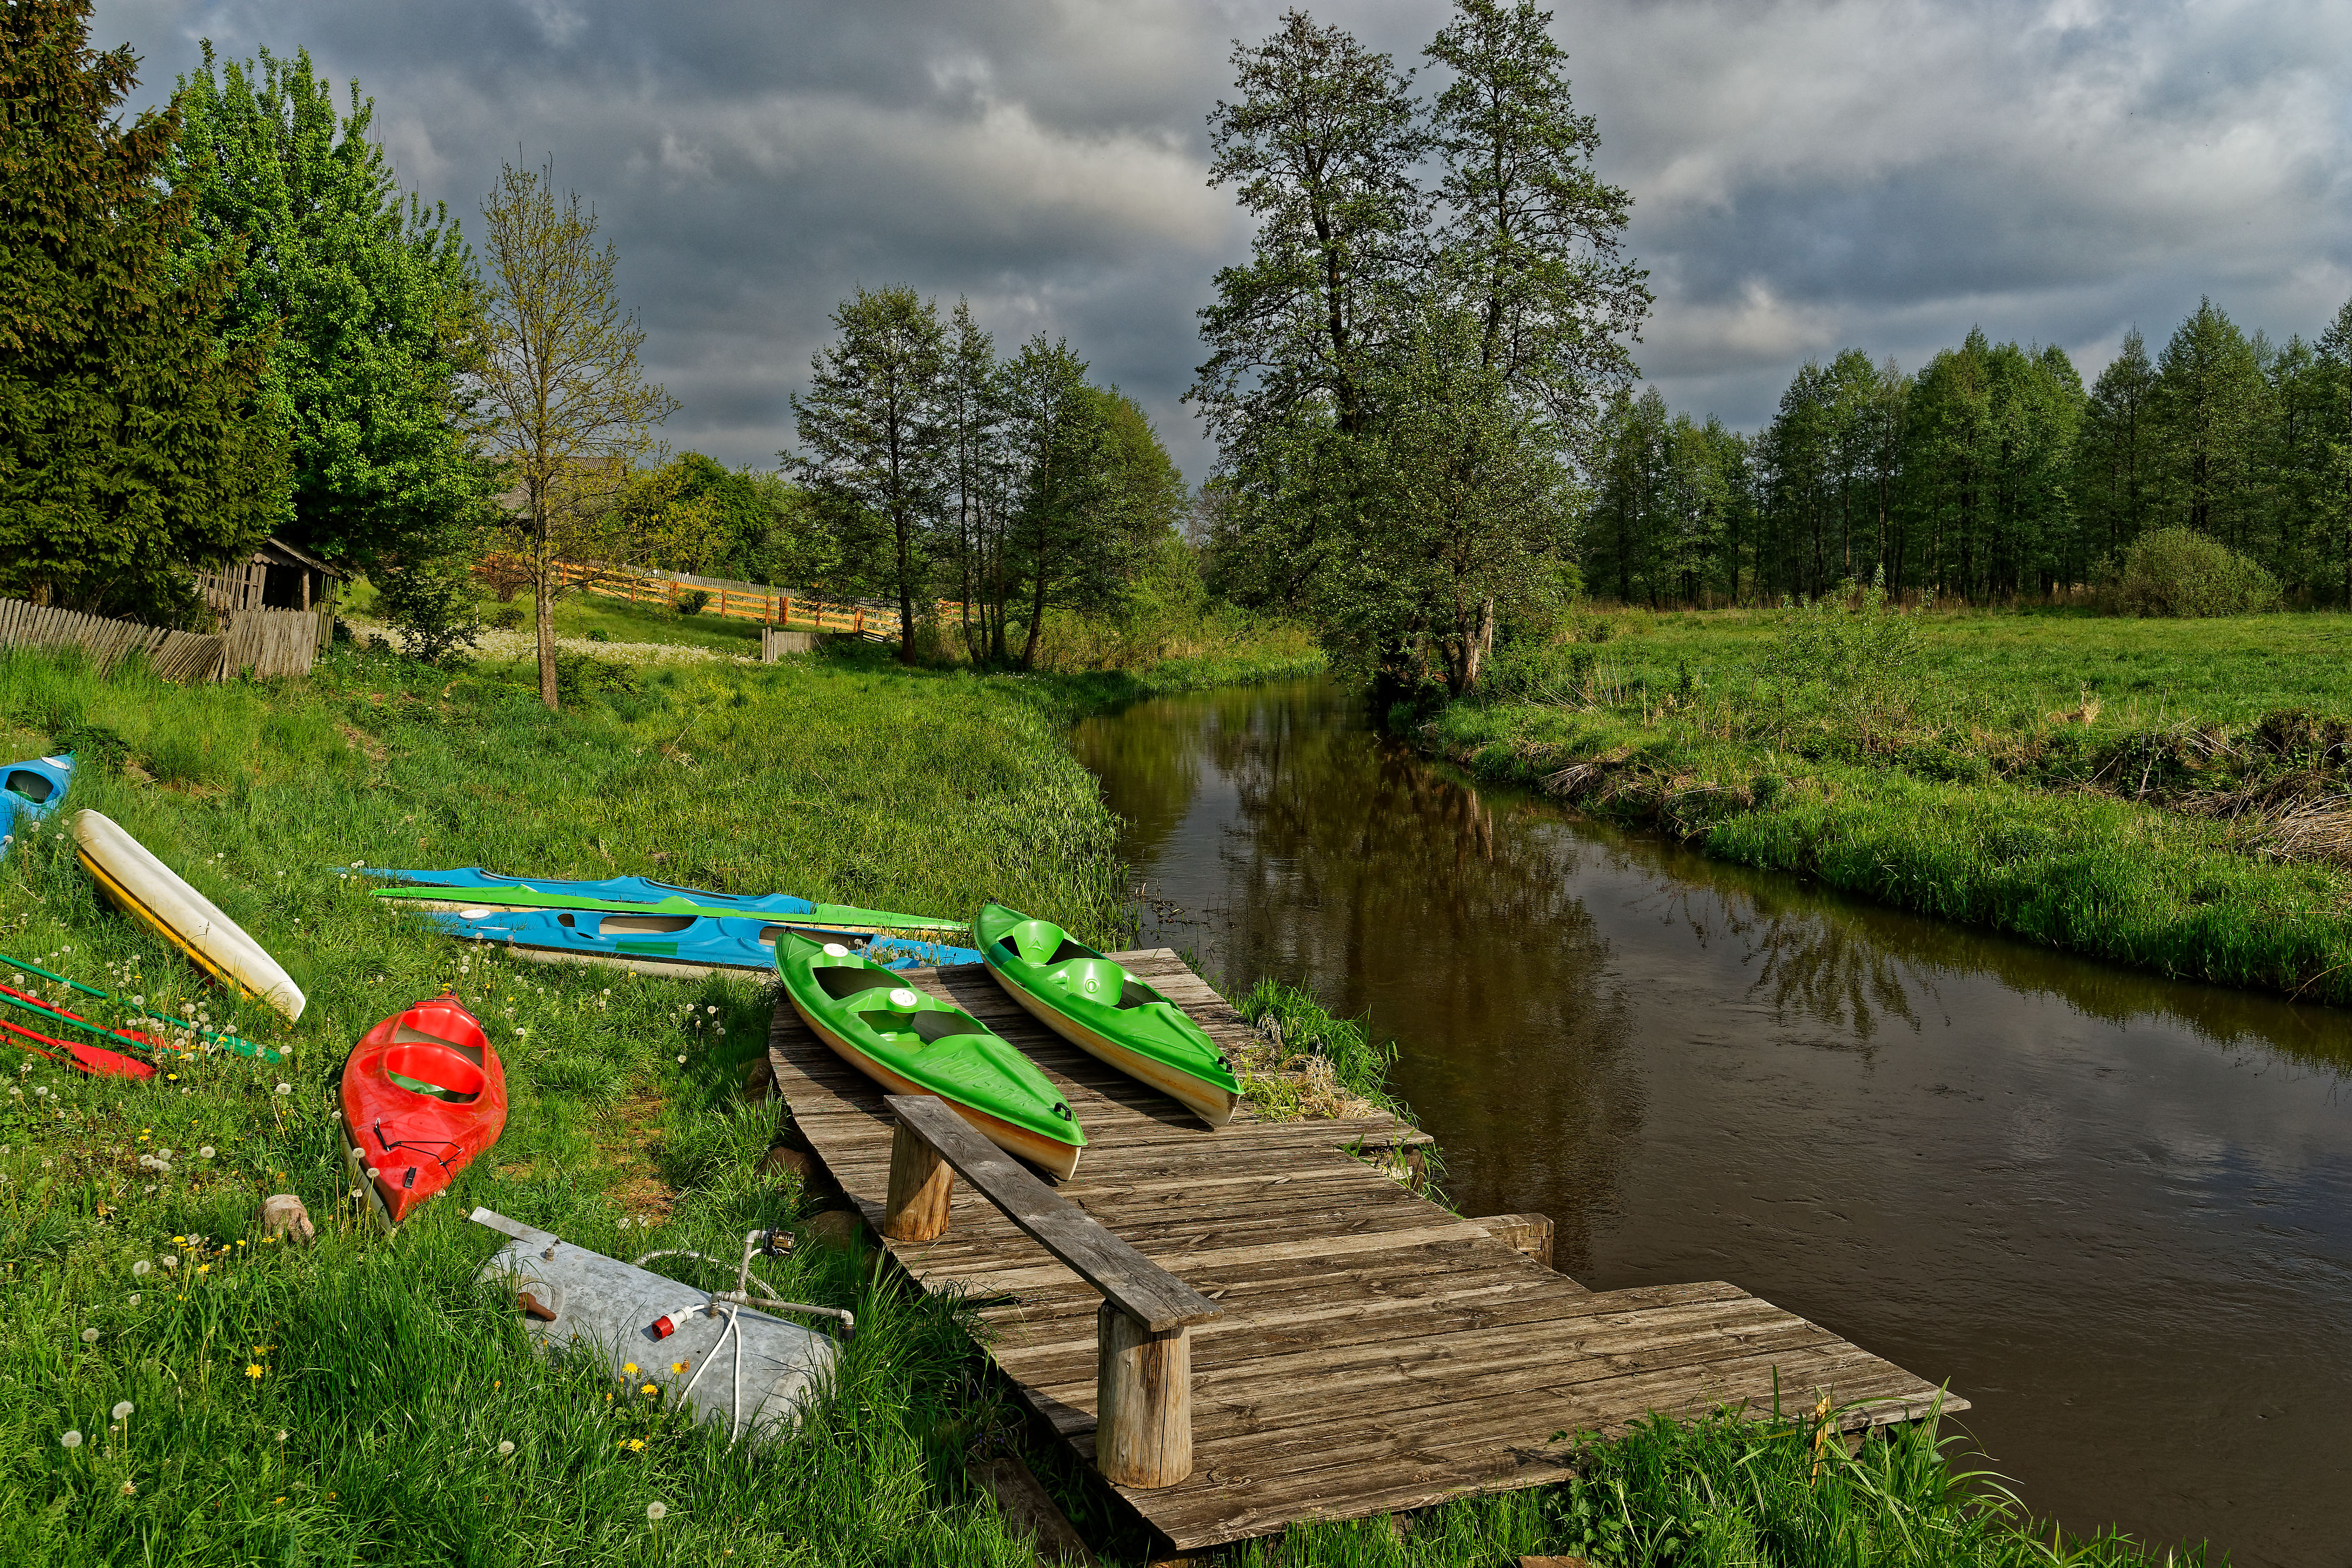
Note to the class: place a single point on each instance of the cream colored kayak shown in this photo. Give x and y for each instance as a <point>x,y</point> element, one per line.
<point>149,891</point>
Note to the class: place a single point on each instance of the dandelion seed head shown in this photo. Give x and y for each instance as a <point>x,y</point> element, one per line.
<point>122,1408</point>
<point>655,1510</point>
<point>70,1441</point>
<point>507,1447</point>
<point>90,1336</point>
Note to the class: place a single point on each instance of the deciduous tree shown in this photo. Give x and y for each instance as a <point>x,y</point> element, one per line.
<point>874,449</point>
<point>570,409</point>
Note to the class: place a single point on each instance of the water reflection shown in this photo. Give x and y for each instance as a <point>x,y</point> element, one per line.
<point>2112,1209</point>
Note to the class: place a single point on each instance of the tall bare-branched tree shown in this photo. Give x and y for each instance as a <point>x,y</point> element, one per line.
<point>571,407</point>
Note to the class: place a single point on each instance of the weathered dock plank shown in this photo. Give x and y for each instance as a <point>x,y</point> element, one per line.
<point>1376,1353</point>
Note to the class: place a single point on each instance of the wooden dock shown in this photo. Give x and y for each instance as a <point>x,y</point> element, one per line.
<point>1377,1352</point>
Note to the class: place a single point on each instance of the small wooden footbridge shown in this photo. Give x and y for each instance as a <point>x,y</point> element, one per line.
<point>1370,1351</point>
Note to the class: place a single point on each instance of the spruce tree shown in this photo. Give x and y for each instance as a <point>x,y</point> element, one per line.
<point>133,450</point>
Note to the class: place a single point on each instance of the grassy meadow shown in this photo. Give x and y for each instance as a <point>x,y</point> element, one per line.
<point>2165,794</point>
<point>361,1398</point>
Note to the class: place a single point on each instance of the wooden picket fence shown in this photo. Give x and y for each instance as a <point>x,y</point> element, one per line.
<point>772,607</point>
<point>267,642</point>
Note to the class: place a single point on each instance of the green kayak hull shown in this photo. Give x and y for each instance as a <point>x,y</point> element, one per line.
<point>913,1043</point>
<point>836,916</point>
<point>1096,1005</point>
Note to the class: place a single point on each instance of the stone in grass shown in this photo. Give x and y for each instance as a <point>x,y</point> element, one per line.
<point>760,1082</point>
<point>282,1215</point>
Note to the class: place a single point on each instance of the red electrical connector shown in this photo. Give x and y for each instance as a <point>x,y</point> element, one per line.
<point>666,1325</point>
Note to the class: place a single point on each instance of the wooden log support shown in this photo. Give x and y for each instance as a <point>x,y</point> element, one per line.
<point>920,1186</point>
<point>1143,1354</point>
<point>1530,1234</point>
<point>1143,1401</point>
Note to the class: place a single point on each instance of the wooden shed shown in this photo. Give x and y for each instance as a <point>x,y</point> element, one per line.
<point>276,575</point>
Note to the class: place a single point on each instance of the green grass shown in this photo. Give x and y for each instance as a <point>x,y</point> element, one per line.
<point>347,1402</point>
<point>2170,795</point>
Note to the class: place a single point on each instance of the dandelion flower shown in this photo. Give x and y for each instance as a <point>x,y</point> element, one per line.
<point>171,1262</point>
<point>681,1060</point>
<point>134,1298</point>
<point>123,1408</point>
<point>253,1369</point>
<point>281,1437</point>
<point>70,1441</point>
<point>649,1390</point>
<point>204,1153</point>
<point>677,1366</point>
<point>141,1267</point>
<point>630,1367</point>
<point>285,1089</point>
<point>505,1448</point>
<point>90,1336</point>
<point>129,1489</point>
<point>653,1510</point>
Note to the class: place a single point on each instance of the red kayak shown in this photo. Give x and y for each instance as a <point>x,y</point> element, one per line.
<point>423,1094</point>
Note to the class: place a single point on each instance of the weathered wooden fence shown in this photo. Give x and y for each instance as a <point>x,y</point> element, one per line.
<point>267,642</point>
<point>735,601</point>
<point>271,641</point>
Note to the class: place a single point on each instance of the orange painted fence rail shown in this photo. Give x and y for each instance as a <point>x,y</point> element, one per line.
<point>771,608</point>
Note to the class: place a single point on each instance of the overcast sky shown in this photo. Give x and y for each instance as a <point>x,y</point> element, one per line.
<point>1807,176</point>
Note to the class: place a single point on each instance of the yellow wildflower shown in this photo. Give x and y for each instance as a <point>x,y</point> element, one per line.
<point>648,1388</point>
<point>630,1367</point>
<point>253,1369</point>
<point>677,1366</point>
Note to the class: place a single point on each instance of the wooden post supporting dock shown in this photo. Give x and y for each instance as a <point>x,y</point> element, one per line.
<point>1143,1351</point>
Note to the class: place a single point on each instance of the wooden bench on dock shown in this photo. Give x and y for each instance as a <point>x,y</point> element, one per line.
<point>1143,1347</point>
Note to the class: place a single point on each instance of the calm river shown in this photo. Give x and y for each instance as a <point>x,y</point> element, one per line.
<point>2115,1213</point>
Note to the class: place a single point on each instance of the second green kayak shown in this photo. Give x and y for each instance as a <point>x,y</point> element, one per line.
<point>1081,995</point>
<point>913,1043</point>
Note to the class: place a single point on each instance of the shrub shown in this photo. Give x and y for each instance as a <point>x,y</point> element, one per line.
<point>691,601</point>
<point>507,617</point>
<point>1856,646</point>
<point>429,601</point>
<point>598,635</point>
<point>2180,571</point>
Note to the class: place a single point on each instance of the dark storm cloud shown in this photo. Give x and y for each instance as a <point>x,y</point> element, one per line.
<point>1807,176</point>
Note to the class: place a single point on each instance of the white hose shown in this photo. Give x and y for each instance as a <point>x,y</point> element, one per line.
<point>737,1300</point>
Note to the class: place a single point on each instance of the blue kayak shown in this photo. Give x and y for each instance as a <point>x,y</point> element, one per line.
<point>656,943</point>
<point>630,895</point>
<point>31,791</point>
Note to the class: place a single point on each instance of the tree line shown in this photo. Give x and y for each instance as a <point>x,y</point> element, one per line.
<point>1991,475</point>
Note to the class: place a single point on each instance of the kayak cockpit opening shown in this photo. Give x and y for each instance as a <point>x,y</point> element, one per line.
<point>33,787</point>
<point>434,1068</point>
<point>642,924</point>
<point>840,981</point>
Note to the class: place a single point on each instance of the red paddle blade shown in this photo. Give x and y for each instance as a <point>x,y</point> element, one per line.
<point>102,1063</point>
<point>90,1059</point>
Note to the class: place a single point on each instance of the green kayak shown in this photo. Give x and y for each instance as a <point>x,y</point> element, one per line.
<point>1096,1006</point>
<point>912,1043</point>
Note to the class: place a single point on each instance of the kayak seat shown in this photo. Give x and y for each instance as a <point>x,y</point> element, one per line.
<point>32,786</point>
<point>433,1068</point>
<point>1101,980</point>
<point>1040,942</point>
<point>841,980</point>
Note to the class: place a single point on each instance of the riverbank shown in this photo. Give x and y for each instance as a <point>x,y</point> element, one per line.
<point>2169,795</point>
<point>267,1419</point>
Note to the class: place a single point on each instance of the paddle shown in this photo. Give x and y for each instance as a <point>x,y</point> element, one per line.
<point>88,1058</point>
<point>33,1004</point>
<point>221,1038</point>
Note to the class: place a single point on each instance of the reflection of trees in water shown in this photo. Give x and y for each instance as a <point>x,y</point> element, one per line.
<point>1847,963</point>
<point>1353,866</point>
<point>1150,764</point>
